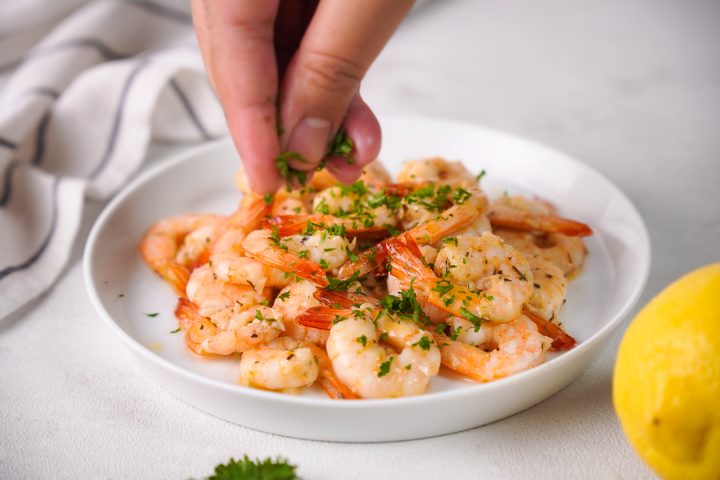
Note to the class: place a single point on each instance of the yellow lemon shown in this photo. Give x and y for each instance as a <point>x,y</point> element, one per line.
<point>666,384</point>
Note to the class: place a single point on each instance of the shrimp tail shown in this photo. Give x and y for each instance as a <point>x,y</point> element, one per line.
<point>250,213</point>
<point>343,299</point>
<point>561,340</point>
<point>544,223</point>
<point>327,379</point>
<point>321,317</point>
<point>301,267</point>
<point>196,327</point>
<point>405,265</point>
<point>186,313</point>
<point>176,275</point>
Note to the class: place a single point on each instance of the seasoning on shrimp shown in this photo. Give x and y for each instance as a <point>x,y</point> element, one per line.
<point>364,290</point>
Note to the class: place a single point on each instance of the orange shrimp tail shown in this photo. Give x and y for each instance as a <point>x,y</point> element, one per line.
<point>343,299</point>
<point>544,223</point>
<point>561,340</point>
<point>250,213</point>
<point>176,275</point>
<point>311,271</point>
<point>327,379</point>
<point>196,327</point>
<point>405,265</point>
<point>321,317</point>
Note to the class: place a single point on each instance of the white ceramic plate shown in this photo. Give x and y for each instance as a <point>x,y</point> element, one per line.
<point>124,290</point>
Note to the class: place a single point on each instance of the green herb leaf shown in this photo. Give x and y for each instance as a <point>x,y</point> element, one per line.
<point>176,330</point>
<point>476,321</point>
<point>423,343</point>
<point>340,146</point>
<point>152,315</point>
<point>385,367</point>
<point>246,469</point>
<point>362,340</point>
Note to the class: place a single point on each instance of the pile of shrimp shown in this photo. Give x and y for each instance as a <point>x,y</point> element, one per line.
<point>366,290</point>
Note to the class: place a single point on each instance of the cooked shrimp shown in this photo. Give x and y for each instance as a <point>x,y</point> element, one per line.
<point>294,299</point>
<point>367,206</point>
<point>454,219</point>
<point>195,248</point>
<point>567,253</point>
<point>283,364</point>
<point>549,285</point>
<point>487,264</point>
<point>360,360</point>
<point>373,371</point>
<point>497,292</point>
<point>159,247</point>
<point>520,213</point>
<point>212,295</point>
<point>516,346</point>
<point>267,247</point>
<point>375,175</point>
<point>229,330</point>
<point>436,170</point>
<point>427,202</point>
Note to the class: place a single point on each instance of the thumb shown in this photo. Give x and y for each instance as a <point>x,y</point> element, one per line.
<point>339,45</point>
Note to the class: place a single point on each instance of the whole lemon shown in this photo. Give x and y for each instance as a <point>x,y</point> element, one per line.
<point>666,384</point>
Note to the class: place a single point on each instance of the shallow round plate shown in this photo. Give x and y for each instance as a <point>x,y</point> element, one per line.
<point>124,291</point>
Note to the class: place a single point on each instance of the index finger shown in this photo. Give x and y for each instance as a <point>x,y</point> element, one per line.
<point>237,42</point>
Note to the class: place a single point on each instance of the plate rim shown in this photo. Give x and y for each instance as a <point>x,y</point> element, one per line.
<point>471,389</point>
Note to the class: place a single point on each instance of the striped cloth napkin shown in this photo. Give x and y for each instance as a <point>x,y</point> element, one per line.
<point>84,88</point>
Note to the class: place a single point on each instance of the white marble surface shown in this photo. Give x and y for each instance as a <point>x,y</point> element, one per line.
<point>631,87</point>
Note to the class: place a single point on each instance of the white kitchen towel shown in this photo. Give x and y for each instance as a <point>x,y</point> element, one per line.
<point>84,88</point>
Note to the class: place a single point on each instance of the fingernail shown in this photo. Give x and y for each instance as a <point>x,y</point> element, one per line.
<point>309,139</point>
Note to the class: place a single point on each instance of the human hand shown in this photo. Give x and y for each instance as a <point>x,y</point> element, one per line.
<point>312,56</point>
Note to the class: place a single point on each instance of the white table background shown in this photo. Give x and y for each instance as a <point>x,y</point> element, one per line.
<point>632,87</point>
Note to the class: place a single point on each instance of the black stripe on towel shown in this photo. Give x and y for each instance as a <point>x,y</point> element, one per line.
<point>190,110</point>
<point>45,91</point>
<point>7,183</point>
<point>7,144</point>
<point>162,11</point>
<point>38,253</point>
<point>117,120</point>
<point>83,42</point>
<point>40,139</point>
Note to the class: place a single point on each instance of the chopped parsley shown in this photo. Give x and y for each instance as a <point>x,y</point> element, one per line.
<point>474,319</point>
<point>480,175</point>
<point>336,285</point>
<point>385,367</point>
<point>340,146</point>
<point>351,255</point>
<point>362,340</point>
<point>287,172</point>
<point>246,469</point>
<point>268,199</point>
<point>442,287</point>
<point>176,330</point>
<point>284,296</point>
<point>152,315</point>
<point>405,305</point>
<point>423,343</point>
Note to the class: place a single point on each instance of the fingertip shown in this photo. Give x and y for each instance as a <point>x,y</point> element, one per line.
<point>342,170</point>
<point>362,126</point>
